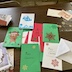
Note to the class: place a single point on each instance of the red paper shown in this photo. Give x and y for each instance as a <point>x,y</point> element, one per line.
<point>37,32</point>
<point>26,41</point>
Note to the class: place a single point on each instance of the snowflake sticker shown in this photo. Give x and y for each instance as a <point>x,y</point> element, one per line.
<point>50,36</point>
<point>25,67</point>
<point>54,62</point>
<point>33,46</point>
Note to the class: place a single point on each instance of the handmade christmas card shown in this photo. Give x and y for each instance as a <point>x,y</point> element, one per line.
<point>37,35</point>
<point>13,37</point>
<point>30,61</point>
<point>50,61</point>
<point>27,21</point>
<point>50,33</point>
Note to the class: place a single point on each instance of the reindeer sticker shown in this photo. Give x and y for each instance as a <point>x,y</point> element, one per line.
<point>13,36</point>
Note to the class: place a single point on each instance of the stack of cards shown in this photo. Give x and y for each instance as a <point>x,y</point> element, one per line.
<point>30,61</point>
<point>5,19</point>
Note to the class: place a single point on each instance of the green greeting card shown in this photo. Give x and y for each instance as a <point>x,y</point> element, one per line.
<point>50,33</point>
<point>13,37</point>
<point>30,61</point>
<point>41,56</point>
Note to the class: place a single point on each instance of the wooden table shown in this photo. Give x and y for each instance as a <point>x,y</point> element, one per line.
<point>41,17</point>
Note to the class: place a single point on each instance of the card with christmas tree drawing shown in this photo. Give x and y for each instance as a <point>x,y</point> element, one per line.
<point>50,33</point>
<point>30,61</point>
<point>13,37</point>
<point>27,21</point>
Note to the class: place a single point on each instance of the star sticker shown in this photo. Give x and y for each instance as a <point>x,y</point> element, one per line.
<point>54,62</point>
<point>35,38</point>
<point>50,36</point>
<point>25,67</point>
<point>33,46</point>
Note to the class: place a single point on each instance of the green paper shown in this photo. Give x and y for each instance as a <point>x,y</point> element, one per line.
<point>50,33</point>
<point>13,37</point>
<point>41,56</point>
<point>30,61</point>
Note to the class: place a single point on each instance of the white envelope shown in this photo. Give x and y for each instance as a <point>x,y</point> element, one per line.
<point>49,59</point>
<point>64,50</point>
<point>53,12</point>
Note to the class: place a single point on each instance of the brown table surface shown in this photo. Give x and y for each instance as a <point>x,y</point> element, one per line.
<point>40,17</point>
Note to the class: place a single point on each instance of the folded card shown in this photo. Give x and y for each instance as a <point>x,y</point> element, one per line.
<point>64,50</point>
<point>27,21</point>
<point>49,59</point>
<point>50,33</point>
<point>30,61</point>
<point>4,59</point>
<point>5,19</point>
<point>53,12</point>
<point>13,37</point>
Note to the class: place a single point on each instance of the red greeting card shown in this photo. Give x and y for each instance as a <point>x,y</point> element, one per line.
<point>37,32</point>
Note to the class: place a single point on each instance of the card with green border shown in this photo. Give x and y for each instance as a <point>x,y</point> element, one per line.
<point>50,33</point>
<point>30,61</point>
<point>13,37</point>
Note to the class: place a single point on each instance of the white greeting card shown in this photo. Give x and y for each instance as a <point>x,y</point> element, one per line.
<point>53,13</point>
<point>27,21</point>
<point>49,59</point>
